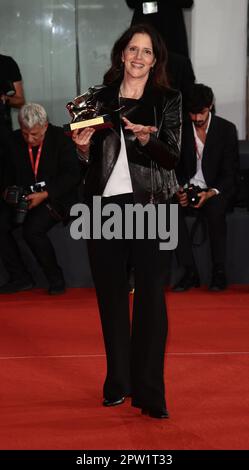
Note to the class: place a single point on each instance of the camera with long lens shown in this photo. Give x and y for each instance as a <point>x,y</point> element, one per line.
<point>192,192</point>
<point>16,197</point>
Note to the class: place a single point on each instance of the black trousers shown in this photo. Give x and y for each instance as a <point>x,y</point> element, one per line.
<point>134,349</point>
<point>214,212</point>
<point>35,227</point>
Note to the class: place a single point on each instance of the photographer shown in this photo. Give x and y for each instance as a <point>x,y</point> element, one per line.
<point>40,186</point>
<point>208,167</point>
<point>11,89</point>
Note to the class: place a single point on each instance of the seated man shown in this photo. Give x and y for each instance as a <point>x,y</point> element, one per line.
<point>43,160</point>
<point>209,161</point>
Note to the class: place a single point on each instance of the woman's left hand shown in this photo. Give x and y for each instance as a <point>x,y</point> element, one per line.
<point>141,132</point>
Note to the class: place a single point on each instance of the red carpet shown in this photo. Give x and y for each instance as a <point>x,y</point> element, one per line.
<point>52,368</point>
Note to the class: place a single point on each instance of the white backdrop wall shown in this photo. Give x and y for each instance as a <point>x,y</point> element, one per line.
<point>40,35</point>
<point>219,54</point>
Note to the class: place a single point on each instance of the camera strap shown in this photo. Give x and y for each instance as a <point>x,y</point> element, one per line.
<point>35,163</point>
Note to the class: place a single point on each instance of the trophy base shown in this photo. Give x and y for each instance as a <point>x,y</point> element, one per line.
<point>100,122</point>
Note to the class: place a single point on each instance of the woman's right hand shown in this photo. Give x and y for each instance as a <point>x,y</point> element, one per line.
<point>82,138</point>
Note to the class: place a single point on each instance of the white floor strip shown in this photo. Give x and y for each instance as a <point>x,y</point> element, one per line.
<point>84,356</point>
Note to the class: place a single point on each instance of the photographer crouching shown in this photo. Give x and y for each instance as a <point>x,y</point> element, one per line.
<point>40,185</point>
<point>207,172</point>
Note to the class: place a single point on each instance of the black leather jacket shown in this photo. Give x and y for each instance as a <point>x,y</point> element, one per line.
<point>151,166</point>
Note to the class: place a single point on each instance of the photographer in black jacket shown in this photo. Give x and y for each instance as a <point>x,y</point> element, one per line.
<point>42,162</point>
<point>11,89</point>
<point>209,160</point>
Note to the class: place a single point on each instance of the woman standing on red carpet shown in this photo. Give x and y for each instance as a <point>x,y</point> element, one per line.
<point>133,163</point>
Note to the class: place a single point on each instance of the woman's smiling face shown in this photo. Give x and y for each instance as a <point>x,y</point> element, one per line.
<point>138,56</point>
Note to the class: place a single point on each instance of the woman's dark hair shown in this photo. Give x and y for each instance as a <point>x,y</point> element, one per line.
<point>158,75</point>
<point>200,97</point>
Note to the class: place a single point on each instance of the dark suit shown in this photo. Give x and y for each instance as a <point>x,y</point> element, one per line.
<point>59,169</point>
<point>219,167</point>
<point>168,21</point>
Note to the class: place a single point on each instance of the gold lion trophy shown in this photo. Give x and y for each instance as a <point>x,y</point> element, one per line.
<point>85,112</point>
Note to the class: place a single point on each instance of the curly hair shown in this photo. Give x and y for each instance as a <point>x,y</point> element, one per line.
<point>200,97</point>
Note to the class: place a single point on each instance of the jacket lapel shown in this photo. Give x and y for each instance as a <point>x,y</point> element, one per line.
<point>209,159</point>
<point>188,147</point>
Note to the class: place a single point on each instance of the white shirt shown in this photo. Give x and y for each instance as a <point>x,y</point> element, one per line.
<point>120,179</point>
<point>198,179</point>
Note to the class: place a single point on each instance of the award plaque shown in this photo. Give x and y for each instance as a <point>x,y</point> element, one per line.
<point>84,110</point>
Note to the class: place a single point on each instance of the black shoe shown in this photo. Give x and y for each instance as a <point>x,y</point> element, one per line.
<point>118,401</point>
<point>218,282</point>
<point>16,286</point>
<point>190,279</point>
<point>57,288</point>
<point>154,413</point>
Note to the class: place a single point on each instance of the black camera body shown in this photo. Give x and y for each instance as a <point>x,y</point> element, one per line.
<point>16,197</point>
<point>192,192</point>
<point>7,88</point>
